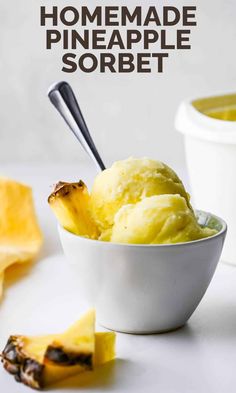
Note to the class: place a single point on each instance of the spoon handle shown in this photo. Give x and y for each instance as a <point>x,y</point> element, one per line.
<point>62,97</point>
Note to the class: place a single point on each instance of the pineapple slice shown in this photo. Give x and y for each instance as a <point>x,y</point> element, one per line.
<point>20,235</point>
<point>41,361</point>
<point>70,203</point>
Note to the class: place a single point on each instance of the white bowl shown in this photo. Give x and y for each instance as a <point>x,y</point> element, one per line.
<point>144,288</point>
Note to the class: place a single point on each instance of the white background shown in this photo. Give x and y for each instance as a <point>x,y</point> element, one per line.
<point>129,114</point>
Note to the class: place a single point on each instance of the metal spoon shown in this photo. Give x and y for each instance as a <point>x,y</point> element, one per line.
<point>62,97</point>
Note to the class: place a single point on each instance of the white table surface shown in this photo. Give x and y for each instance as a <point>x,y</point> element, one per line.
<point>199,358</point>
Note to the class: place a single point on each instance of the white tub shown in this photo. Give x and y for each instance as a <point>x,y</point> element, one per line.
<point>210,146</point>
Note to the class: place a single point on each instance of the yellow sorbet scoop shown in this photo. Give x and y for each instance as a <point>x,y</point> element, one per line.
<point>160,219</point>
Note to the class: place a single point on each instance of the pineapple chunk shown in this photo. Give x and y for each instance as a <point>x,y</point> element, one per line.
<point>70,203</point>
<point>41,361</point>
<point>20,235</point>
<point>104,348</point>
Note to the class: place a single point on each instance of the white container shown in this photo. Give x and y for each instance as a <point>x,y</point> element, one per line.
<point>144,288</point>
<point>210,146</point>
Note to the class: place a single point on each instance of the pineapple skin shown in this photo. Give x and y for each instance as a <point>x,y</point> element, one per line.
<point>60,356</point>
<point>24,369</point>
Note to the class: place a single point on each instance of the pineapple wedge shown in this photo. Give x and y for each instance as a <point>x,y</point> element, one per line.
<point>70,203</point>
<point>41,361</point>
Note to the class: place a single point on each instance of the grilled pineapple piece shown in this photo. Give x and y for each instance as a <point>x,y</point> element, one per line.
<point>41,361</point>
<point>70,203</point>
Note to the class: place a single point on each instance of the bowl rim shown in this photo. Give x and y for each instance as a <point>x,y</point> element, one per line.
<point>133,245</point>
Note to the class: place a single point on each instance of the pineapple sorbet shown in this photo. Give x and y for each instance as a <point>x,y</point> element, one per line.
<point>136,201</point>
<point>157,219</point>
<point>143,201</point>
<point>130,181</point>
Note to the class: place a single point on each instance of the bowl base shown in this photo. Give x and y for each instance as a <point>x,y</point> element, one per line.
<point>143,332</point>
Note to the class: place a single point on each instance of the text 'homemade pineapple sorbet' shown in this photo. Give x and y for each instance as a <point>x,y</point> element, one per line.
<point>136,201</point>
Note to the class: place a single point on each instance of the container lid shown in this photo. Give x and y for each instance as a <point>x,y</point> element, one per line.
<point>198,118</point>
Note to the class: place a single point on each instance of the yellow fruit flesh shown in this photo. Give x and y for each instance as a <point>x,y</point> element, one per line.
<point>80,336</point>
<point>19,225</point>
<point>35,348</point>
<point>20,235</point>
<point>54,373</point>
<point>104,353</point>
<point>104,347</point>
